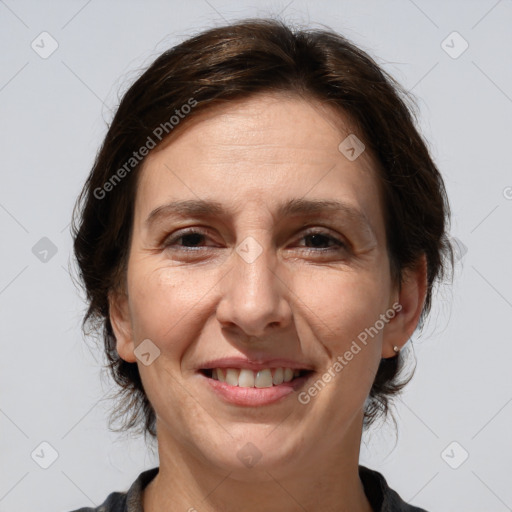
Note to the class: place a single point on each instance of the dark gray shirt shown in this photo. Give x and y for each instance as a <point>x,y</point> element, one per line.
<point>379,494</point>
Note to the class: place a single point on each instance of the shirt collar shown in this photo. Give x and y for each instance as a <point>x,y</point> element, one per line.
<point>381,497</point>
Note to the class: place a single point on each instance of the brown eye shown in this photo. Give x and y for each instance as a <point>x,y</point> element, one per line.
<point>186,240</point>
<point>322,241</point>
<point>192,239</point>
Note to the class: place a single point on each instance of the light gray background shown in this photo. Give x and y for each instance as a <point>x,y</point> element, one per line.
<point>53,115</point>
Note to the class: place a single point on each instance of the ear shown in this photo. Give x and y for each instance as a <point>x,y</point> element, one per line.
<point>119,314</point>
<point>412,298</point>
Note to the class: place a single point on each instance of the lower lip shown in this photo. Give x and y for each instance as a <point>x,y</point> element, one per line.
<point>253,397</point>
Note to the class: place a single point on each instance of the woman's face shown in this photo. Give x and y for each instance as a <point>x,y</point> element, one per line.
<point>270,278</point>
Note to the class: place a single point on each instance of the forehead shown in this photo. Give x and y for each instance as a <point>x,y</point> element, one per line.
<point>265,124</point>
<point>269,148</point>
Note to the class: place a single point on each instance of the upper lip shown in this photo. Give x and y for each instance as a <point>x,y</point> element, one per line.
<point>241,362</point>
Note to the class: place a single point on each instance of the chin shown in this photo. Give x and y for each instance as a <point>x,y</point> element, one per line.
<point>256,453</point>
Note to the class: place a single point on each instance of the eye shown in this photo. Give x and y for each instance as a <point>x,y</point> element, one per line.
<point>322,238</point>
<point>192,240</point>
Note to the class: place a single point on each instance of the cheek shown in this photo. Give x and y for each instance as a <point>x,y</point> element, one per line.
<point>342,304</point>
<point>168,306</point>
<point>157,304</point>
<point>331,307</point>
<point>342,308</point>
<point>163,307</point>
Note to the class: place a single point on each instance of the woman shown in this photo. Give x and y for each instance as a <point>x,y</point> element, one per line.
<point>259,238</point>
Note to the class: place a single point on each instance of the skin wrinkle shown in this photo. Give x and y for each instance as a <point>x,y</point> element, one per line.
<point>326,210</point>
<point>222,218</point>
<point>365,240</point>
<point>292,302</point>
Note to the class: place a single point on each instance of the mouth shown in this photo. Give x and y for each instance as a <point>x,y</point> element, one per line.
<point>264,378</point>
<point>247,388</point>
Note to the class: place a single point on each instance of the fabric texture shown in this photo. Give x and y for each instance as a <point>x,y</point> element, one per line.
<point>381,497</point>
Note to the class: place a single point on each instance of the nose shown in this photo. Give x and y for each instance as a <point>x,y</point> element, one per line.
<point>255,299</point>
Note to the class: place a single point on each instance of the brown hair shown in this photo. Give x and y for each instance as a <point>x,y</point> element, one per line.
<point>234,62</point>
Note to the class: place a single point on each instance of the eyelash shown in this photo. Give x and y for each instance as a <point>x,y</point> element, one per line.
<point>338,244</point>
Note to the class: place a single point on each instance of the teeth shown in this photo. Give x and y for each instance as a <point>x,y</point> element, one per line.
<point>232,376</point>
<point>245,378</point>
<point>278,376</point>
<point>263,379</point>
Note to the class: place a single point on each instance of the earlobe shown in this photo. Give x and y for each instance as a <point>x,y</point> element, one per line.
<point>120,320</point>
<point>412,298</point>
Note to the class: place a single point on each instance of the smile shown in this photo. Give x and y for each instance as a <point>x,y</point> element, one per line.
<point>245,378</point>
<point>245,387</point>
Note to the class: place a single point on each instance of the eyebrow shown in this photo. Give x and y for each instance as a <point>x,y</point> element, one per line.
<point>293,207</point>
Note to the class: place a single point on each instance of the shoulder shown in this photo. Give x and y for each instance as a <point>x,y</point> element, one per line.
<point>381,497</point>
<point>129,501</point>
<point>115,502</point>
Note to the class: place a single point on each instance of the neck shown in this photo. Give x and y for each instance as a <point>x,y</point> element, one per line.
<point>324,478</point>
